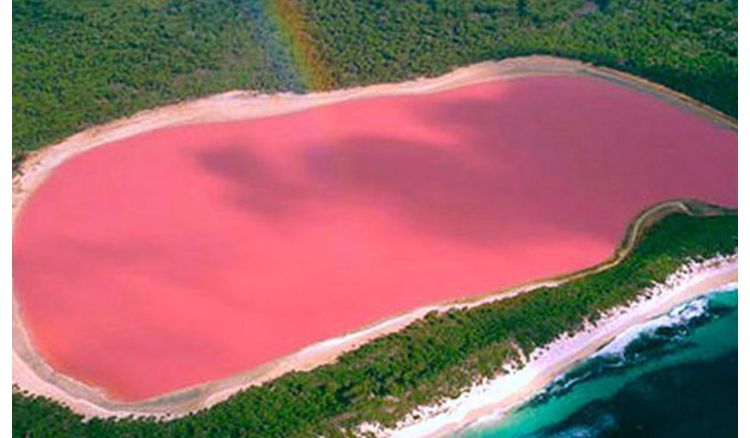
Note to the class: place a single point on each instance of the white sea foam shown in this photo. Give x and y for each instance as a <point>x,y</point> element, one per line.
<point>676,317</point>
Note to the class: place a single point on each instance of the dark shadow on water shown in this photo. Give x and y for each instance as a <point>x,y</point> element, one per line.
<point>253,184</point>
<point>471,195</point>
<point>518,154</point>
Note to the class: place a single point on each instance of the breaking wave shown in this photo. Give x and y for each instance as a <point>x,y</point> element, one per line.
<point>642,342</point>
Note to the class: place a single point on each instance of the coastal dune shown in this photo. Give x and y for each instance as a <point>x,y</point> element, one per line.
<point>195,252</point>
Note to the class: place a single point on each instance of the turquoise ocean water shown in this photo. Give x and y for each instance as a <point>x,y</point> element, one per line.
<point>674,376</point>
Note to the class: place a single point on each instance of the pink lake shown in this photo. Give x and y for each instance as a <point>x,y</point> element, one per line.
<point>190,254</point>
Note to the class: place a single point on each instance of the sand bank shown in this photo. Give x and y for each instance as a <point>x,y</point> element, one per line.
<point>491,399</point>
<point>244,105</point>
<point>31,373</point>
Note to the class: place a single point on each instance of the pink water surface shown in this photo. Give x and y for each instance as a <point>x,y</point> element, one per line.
<point>190,254</point>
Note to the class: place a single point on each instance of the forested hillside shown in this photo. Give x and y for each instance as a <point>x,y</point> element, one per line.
<point>436,357</point>
<point>80,63</point>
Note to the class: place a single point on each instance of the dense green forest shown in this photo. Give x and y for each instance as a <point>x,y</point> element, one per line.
<point>435,357</point>
<point>77,63</point>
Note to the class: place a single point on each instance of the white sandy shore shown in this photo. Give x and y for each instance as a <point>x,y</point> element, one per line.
<point>489,400</point>
<point>32,373</point>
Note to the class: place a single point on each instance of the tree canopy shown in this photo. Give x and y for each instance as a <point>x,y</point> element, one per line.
<point>81,63</point>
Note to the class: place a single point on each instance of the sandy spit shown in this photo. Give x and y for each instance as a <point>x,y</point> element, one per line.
<point>31,373</point>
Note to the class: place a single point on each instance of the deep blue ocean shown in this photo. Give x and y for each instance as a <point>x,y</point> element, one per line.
<point>675,376</point>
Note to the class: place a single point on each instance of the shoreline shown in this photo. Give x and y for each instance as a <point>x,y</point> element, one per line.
<point>32,373</point>
<point>238,105</point>
<point>490,400</point>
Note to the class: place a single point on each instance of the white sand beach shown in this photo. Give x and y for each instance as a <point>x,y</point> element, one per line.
<point>490,400</point>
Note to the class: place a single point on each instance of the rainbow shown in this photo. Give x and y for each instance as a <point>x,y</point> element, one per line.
<point>308,62</point>
<point>281,30</point>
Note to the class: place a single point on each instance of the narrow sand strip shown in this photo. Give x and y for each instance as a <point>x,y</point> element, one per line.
<point>31,373</point>
<point>492,399</point>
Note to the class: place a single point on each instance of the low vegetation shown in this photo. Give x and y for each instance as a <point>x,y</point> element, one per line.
<point>80,63</point>
<point>436,357</point>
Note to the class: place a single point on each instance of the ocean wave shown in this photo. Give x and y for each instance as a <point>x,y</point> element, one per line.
<point>669,325</point>
<point>672,326</point>
<point>656,337</point>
